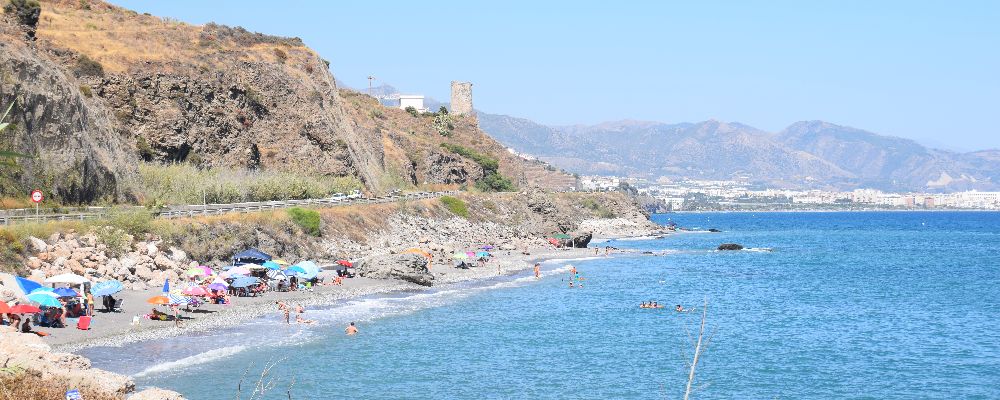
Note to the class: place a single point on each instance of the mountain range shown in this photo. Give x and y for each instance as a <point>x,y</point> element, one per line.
<point>807,154</point>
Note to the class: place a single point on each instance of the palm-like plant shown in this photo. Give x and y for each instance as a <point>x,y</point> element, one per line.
<point>8,158</point>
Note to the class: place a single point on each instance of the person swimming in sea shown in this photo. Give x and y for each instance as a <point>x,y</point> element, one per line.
<point>679,308</point>
<point>351,330</point>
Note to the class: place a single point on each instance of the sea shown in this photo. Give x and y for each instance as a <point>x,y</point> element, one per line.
<point>824,305</point>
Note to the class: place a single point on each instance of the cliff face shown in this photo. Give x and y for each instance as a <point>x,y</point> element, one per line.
<point>78,153</point>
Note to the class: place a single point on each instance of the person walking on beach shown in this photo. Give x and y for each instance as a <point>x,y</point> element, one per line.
<point>351,330</point>
<point>90,304</point>
<point>176,310</point>
<point>538,271</point>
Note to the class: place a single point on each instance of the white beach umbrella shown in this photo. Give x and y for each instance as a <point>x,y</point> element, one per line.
<point>69,278</point>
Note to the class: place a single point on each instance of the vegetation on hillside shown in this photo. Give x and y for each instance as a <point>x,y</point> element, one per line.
<point>17,384</point>
<point>456,206</point>
<point>306,219</point>
<point>160,184</point>
<point>492,180</point>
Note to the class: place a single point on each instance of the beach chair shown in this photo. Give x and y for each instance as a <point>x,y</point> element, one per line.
<point>83,323</point>
<point>118,305</point>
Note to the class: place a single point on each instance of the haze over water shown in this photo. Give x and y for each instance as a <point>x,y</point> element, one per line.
<point>846,305</point>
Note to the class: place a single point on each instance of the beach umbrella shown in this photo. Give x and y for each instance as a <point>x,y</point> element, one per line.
<point>44,289</point>
<point>251,266</point>
<point>460,256</point>
<point>12,286</point>
<point>562,236</point>
<point>195,291</point>
<point>220,281</point>
<point>4,307</point>
<point>196,271</point>
<point>482,254</point>
<point>486,247</point>
<point>309,269</point>
<point>271,265</point>
<point>218,287</point>
<point>276,274</point>
<point>72,279</point>
<point>106,288</point>
<point>44,300</point>
<point>470,254</point>
<point>166,286</point>
<point>241,270</point>
<point>24,309</point>
<point>281,262</point>
<point>345,263</point>
<point>175,299</point>
<point>66,292</point>
<point>415,250</point>
<point>295,269</point>
<point>245,281</point>
<point>158,300</point>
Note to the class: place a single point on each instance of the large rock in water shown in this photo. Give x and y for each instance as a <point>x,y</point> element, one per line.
<point>406,267</point>
<point>157,394</point>
<point>579,241</point>
<point>730,246</point>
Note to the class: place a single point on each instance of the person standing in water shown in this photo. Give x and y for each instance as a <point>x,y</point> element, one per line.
<point>351,330</point>
<point>538,271</point>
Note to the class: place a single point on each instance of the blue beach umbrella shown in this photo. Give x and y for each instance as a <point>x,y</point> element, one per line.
<point>107,288</point>
<point>43,289</point>
<point>44,300</point>
<point>175,299</point>
<point>66,292</point>
<point>482,254</point>
<point>166,286</point>
<point>295,269</point>
<point>271,265</point>
<point>244,282</point>
<point>27,285</point>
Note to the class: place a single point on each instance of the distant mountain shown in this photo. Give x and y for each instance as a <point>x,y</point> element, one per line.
<point>806,154</point>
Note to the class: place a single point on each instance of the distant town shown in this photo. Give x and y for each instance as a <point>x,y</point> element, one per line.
<point>710,195</point>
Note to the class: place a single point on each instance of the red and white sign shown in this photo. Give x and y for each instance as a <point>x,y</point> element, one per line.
<point>37,196</point>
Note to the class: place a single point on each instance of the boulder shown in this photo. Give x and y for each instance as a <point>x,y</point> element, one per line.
<point>143,273</point>
<point>38,244</point>
<point>163,263</point>
<point>406,267</point>
<point>177,255</point>
<point>730,246</point>
<point>579,241</point>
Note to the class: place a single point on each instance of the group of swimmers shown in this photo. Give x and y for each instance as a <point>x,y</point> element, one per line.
<point>653,304</point>
<point>299,310</point>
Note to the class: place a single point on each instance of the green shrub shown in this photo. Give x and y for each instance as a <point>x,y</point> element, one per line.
<point>85,90</point>
<point>117,241</point>
<point>85,66</point>
<point>489,164</point>
<point>308,220</point>
<point>456,206</point>
<point>494,182</point>
<point>282,56</point>
<point>412,111</point>
<point>134,222</point>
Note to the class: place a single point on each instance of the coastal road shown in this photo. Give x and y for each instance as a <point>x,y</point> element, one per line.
<point>22,215</point>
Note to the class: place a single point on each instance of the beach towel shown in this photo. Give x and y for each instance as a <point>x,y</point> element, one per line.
<point>83,323</point>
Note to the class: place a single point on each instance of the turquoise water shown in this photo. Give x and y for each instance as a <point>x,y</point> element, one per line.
<point>844,305</point>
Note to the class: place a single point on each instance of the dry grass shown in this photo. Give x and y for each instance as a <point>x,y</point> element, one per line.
<point>27,386</point>
<point>120,39</point>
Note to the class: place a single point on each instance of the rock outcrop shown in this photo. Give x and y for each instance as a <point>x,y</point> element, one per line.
<point>580,240</point>
<point>730,246</point>
<point>79,156</point>
<point>156,394</point>
<point>35,357</point>
<point>406,267</point>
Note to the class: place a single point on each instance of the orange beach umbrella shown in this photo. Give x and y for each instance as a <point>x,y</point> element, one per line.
<point>158,300</point>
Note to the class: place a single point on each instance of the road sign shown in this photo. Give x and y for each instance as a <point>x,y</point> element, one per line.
<point>37,196</point>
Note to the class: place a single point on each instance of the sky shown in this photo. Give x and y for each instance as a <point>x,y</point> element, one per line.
<point>928,71</point>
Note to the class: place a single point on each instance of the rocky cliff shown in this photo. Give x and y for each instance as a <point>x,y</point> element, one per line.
<point>104,87</point>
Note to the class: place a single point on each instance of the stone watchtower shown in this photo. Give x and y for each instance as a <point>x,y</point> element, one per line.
<point>461,98</point>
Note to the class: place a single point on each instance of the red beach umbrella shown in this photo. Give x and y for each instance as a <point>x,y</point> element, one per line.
<point>25,309</point>
<point>4,308</point>
<point>345,263</point>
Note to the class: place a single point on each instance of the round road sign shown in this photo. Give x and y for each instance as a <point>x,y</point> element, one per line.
<point>37,196</point>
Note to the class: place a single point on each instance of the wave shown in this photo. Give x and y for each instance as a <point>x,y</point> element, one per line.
<point>637,238</point>
<point>201,358</point>
<point>759,249</point>
<point>562,260</point>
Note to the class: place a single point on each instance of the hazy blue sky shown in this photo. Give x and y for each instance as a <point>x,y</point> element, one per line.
<point>923,70</point>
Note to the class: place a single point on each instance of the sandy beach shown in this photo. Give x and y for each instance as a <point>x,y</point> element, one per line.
<point>117,328</point>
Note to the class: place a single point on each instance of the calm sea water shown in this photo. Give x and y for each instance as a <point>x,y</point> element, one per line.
<point>844,305</point>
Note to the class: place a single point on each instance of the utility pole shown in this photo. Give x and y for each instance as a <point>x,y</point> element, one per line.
<point>370,79</point>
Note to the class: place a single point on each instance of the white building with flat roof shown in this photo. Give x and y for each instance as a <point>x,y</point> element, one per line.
<point>412,100</point>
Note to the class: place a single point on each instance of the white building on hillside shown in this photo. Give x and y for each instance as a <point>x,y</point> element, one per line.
<point>412,100</point>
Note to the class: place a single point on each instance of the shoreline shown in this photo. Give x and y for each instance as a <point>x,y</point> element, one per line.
<point>221,317</point>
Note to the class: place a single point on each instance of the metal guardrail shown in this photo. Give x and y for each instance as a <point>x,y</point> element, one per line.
<point>14,216</point>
